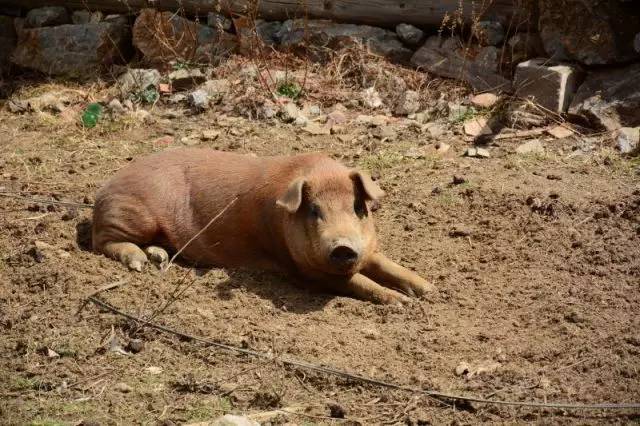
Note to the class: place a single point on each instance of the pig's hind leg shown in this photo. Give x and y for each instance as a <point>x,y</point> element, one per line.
<point>388,273</point>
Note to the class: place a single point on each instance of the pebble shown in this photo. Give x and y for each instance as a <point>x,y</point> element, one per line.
<point>477,126</point>
<point>122,387</point>
<point>530,147</point>
<point>484,100</point>
<point>477,152</point>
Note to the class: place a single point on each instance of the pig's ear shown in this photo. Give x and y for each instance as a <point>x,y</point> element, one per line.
<point>371,188</point>
<point>292,199</point>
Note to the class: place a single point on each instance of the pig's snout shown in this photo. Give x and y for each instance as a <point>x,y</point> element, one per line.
<point>344,255</point>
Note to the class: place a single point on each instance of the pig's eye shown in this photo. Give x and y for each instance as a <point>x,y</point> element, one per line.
<point>360,208</point>
<point>314,211</point>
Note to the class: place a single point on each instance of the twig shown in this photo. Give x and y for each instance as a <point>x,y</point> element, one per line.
<point>43,201</point>
<point>362,379</point>
<point>98,291</point>
<point>232,202</point>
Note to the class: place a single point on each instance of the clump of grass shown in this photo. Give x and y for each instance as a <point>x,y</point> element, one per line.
<point>381,161</point>
<point>289,89</point>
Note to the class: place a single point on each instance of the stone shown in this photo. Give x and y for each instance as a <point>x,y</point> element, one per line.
<point>552,87</point>
<point>628,139</point>
<point>610,99</point>
<point>115,106</point>
<point>49,16</point>
<point>314,128</point>
<point>477,126</point>
<point>165,36</point>
<point>488,57</point>
<point>233,420</point>
<point>484,100</point>
<point>409,34</point>
<point>199,99</point>
<point>290,112</point>
<point>444,58</point>
<point>560,132</point>
<point>442,148</point>
<point>523,46</point>
<point>8,39</point>
<point>136,80</point>
<point>530,147</point>
<point>182,79</point>
<point>371,98</point>
<point>72,50</point>
<point>86,17</point>
<point>488,33</point>
<point>217,89</point>
<point>336,118</point>
<point>122,387</point>
<point>319,37</point>
<point>409,103</point>
<point>269,31</point>
<point>594,32</point>
<point>477,152</point>
<point>219,21</point>
<point>210,135</point>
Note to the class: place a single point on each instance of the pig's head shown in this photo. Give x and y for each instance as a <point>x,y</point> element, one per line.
<point>328,223</point>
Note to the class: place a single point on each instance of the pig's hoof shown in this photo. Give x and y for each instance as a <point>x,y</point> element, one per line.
<point>135,262</point>
<point>422,286</point>
<point>157,255</point>
<point>395,298</point>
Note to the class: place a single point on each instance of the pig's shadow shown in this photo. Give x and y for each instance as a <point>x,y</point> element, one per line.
<point>282,291</point>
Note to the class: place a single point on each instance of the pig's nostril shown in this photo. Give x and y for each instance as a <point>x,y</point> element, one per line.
<point>344,255</point>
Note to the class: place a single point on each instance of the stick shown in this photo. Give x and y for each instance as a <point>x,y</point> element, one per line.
<point>98,291</point>
<point>354,377</point>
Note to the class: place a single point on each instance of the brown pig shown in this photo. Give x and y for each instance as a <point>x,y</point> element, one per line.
<point>306,214</point>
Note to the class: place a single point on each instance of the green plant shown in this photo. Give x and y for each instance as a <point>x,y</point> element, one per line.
<point>289,89</point>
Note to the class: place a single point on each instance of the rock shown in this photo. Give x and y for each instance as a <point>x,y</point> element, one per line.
<point>312,111</point>
<point>560,132</point>
<point>336,411</point>
<point>314,128</point>
<point>477,126</point>
<point>210,135</point>
<point>409,34</point>
<point>233,420</point>
<point>523,46</point>
<point>435,130</point>
<point>290,112</point>
<point>488,33</point>
<point>72,50</point>
<point>269,31</point>
<point>86,17</point>
<point>442,148</point>
<point>116,107</point>
<point>336,118</point>
<point>385,133</point>
<point>219,21</point>
<point>217,89</point>
<point>135,346</point>
<point>409,103</point>
<point>443,58</point>
<point>154,370</point>
<point>552,87</point>
<point>46,17</point>
<point>484,100</point>
<point>371,98</point>
<point>593,32</point>
<point>122,387</point>
<point>166,36</point>
<point>488,57</point>
<point>199,99</point>
<point>458,180</point>
<point>610,99</point>
<point>268,109</point>
<point>477,152</point>
<point>319,37</point>
<point>379,120</point>
<point>468,371</point>
<point>183,78</point>
<point>628,139</point>
<point>189,141</point>
<point>8,40</point>
<point>460,231</point>
<point>136,80</point>
<point>462,369</point>
<point>530,147</point>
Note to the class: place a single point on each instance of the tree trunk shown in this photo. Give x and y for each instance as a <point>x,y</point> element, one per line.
<point>384,13</point>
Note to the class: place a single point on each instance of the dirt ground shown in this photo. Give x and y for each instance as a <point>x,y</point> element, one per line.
<point>536,259</point>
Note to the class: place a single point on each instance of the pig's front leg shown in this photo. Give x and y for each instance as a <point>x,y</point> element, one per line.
<point>390,274</point>
<point>364,288</point>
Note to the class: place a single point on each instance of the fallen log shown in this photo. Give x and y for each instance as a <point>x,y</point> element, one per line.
<point>385,13</point>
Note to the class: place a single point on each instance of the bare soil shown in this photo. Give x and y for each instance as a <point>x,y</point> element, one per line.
<point>536,258</point>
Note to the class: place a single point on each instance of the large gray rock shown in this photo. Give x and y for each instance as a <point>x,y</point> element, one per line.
<point>523,46</point>
<point>165,36</point>
<point>488,33</point>
<point>7,41</point>
<point>409,34</point>
<point>219,21</point>
<point>86,17</point>
<point>443,57</point>
<point>553,87</point>
<point>594,32</point>
<point>47,17</point>
<point>73,50</point>
<point>324,35</point>
<point>610,99</point>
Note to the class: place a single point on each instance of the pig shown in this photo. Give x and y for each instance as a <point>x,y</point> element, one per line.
<point>307,215</point>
